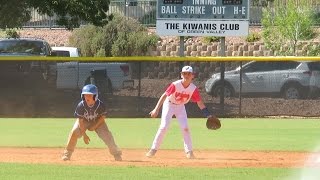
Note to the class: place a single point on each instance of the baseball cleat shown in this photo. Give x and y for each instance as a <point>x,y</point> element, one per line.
<point>151,153</point>
<point>190,155</point>
<point>117,157</point>
<point>66,156</point>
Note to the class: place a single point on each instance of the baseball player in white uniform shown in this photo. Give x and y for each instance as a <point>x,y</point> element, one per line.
<point>173,100</point>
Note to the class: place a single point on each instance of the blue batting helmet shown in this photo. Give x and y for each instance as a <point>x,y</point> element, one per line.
<point>90,89</point>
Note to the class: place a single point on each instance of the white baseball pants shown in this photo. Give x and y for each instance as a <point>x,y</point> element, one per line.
<point>168,110</point>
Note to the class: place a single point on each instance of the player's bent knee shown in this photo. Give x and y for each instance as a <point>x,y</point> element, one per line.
<point>186,129</point>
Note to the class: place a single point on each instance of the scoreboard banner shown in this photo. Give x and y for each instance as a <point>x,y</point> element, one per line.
<point>203,17</point>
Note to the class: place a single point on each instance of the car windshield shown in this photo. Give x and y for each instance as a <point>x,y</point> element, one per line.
<point>22,46</point>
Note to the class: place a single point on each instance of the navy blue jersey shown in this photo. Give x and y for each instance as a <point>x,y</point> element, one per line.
<point>90,113</point>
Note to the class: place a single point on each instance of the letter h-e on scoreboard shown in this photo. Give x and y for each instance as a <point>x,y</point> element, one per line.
<point>202,17</point>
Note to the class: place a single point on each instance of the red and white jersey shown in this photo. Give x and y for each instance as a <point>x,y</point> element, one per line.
<point>177,94</point>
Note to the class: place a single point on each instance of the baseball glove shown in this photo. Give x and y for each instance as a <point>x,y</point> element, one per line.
<point>213,123</point>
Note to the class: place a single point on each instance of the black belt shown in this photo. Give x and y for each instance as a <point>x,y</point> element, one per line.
<point>173,103</point>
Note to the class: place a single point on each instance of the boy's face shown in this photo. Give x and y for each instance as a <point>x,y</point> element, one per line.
<point>89,99</point>
<point>188,76</point>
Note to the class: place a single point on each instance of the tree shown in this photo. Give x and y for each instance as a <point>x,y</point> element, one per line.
<point>70,13</point>
<point>14,13</point>
<point>287,23</point>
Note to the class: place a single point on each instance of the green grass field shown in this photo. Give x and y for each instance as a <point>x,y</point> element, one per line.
<point>236,134</point>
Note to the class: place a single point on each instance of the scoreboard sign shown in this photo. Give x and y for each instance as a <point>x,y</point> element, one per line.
<point>203,17</point>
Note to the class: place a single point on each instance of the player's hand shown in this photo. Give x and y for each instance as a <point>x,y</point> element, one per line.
<point>86,138</point>
<point>154,113</point>
<point>92,128</point>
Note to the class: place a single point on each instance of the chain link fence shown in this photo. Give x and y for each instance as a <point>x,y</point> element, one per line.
<point>275,88</point>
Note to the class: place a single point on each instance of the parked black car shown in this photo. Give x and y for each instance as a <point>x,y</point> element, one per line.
<point>19,72</point>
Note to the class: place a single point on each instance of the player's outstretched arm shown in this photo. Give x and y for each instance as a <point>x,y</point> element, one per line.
<point>154,113</point>
<point>81,126</point>
<point>86,138</point>
<point>201,104</point>
<point>204,109</point>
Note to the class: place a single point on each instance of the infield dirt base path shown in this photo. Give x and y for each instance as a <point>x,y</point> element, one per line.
<point>164,158</point>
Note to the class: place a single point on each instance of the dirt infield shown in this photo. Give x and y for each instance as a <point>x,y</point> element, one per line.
<point>164,158</point>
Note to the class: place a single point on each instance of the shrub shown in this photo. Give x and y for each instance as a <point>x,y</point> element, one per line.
<point>313,50</point>
<point>316,18</point>
<point>253,37</point>
<point>210,39</point>
<point>86,39</point>
<point>122,36</point>
<point>12,33</point>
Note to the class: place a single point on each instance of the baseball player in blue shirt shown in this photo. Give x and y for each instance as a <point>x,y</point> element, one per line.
<point>90,114</point>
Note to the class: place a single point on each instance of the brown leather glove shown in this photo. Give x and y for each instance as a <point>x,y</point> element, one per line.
<point>213,123</point>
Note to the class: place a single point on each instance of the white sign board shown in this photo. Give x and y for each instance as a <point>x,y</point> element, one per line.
<point>202,28</point>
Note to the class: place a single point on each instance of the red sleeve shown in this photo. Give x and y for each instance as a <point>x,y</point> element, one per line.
<point>170,90</point>
<point>196,96</point>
